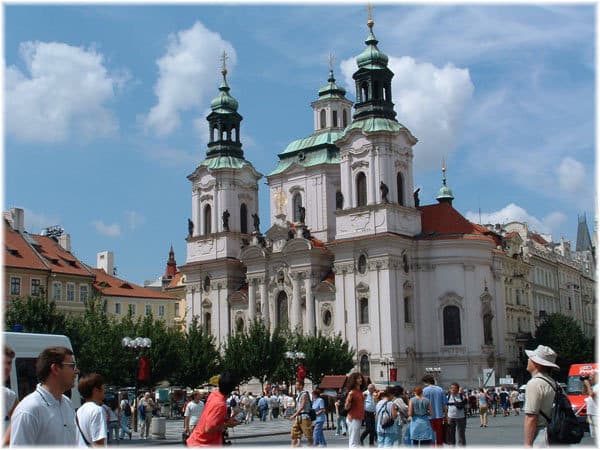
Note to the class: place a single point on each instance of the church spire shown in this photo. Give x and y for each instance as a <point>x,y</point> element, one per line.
<point>171,269</point>
<point>224,121</point>
<point>445,193</point>
<point>373,80</point>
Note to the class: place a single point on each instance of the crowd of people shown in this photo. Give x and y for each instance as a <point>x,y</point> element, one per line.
<point>427,415</point>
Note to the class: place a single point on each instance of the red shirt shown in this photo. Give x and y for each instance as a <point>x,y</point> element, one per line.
<point>357,407</point>
<point>212,418</point>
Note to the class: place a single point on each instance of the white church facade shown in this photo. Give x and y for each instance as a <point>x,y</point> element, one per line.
<point>349,248</point>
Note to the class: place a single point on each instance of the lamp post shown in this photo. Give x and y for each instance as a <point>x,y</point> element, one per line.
<point>136,345</point>
<point>435,371</point>
<point>294,357</point>
<point>389,364</point>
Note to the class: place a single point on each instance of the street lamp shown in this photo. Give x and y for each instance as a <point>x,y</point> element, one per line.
<point>136,345</point>
<point>389,364</point>
<point>435,371</point>
<point>294,357</point>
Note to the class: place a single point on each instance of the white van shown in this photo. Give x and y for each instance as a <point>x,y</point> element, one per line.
<point>27,347</point>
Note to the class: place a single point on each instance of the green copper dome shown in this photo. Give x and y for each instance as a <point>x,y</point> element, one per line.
<point>445,193</point>
<point>332,89</point>
<point>372,57</point>
<point>224,102</point>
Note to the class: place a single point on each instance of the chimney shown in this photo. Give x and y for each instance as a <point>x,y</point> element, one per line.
<point>106,260</point>
<point>16,218</point>
<point>64,240</point>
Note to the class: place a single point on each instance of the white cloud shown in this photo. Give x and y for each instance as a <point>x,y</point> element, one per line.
<point>430,101</point>
<point>113,230</point>
<point>134,219</point>
<point>188,75</point>
<point>36,222</point>
<point>64,91</point>
<point>515,213</point>
<point>571,175</point>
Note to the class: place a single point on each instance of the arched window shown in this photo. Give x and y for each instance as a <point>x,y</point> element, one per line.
<point>407,310</point>
<point>488,335</point>
<point>361,189</point>
<point>207,322</point>
<point>223,133</point>
<point>213,133</point>
<point>345,118</point>
<point>282,310</point>
<point>207,220</point>
<point>323,120</point>
<point>243,218</point>
<point>365,366</point>
<point>363,311</point>
<point>335,120</point>
<point>364,89</point>
<point>400,188</point>
<point>296,205</point>
<point>451,325</point>
<point>235,135</point>
<point>387,92</point>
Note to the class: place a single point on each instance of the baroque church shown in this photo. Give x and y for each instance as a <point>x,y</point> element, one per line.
<point>349,248</point>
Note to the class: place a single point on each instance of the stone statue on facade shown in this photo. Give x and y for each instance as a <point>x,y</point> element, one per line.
<point>190,228</point>
<point>226,220</point>
<point>301,214</point>
<point>384,192</point>
<point>339,200</point>
<point>256,220</point>
<point>416,197</point>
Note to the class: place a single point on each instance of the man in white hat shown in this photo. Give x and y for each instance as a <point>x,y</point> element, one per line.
<point>539,395</point>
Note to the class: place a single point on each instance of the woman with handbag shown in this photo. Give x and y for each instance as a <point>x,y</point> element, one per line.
<point>355,405</point>
<point>419,411</point>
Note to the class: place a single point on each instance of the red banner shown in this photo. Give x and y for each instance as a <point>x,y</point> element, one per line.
<point>144,369</point>
<point>393,373</point>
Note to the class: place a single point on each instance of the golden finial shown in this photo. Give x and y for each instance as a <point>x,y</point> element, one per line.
<point>224,58</point>
<point>331,61</point>
<point>444,170</point>
<point>370,12</point>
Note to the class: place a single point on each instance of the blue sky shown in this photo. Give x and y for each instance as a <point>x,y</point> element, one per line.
<point>105,109</point>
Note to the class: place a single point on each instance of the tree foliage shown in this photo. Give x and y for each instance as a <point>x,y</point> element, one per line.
<point>564,335</point>
<point>325,355</point>
<point>35,314</point>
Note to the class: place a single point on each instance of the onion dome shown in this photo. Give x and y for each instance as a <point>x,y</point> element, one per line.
<point>224,102</point>
<point>372,57</point>
<point>445,193</point>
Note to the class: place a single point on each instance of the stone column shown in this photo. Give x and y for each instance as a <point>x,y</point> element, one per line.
<point>372,186</point>
<point>310,306</point>
<point>251,300</point>
<point>296,306</point>
<point>266,314</point>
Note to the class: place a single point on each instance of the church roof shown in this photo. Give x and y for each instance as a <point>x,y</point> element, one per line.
<point>225,162</point>
<point>311,158</point>
<point>314,140</point>
<point>442,221</point>
<point>376,124</point>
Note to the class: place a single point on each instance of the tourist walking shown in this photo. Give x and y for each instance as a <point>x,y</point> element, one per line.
<point>539,394</point>
<point>355,407</point>
<point>340,414</point>
<point>112,420</point>
<point>91,419</point>
<point>420,411</point>
<point>370,402</point>
<point>192,413</point>
<point>302,425</point>
<point>45,417</point>
<point>9,397</point>
<point>483,401</point>
<point>457,419</point>
<point>126,412</point>
<point>214,420</point>
<point>147,405</point>
<point>437,398</point>
<point>387,432</point>
<point>398,400</point>
<point>318,404</point>
<point>592,400</point>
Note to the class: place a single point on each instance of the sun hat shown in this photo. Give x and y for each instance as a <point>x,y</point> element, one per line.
<point>543,355</point>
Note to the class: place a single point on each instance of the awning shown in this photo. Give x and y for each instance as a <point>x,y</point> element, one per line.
<point>332,382</point>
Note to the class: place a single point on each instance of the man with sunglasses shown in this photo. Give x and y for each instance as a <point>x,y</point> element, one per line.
<point>46,417</point>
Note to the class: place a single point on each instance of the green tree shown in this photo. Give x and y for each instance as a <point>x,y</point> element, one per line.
<point>36,315</point>
<point>325,355</point>
<point>236,358</point>
<point>564,335</point>
<point>199,356</point>
<point>264,351</point>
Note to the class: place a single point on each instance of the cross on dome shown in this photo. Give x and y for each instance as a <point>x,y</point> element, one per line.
<point>224,59</point>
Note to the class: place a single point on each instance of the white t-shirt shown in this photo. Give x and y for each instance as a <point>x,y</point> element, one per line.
<point>453,411</point>
<point>593,411</point>
<point>42,420</point>
<point>194,411</point>
<point>92,421</point>
<point>10,397</point>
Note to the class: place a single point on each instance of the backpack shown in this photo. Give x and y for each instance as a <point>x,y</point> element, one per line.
<point>563,426</point>
<point>312,414</point>
<point>385,418</point>
<point>142,410</point>
<point>126,408</point>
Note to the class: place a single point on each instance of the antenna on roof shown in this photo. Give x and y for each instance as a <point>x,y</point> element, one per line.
<point>54,231</point>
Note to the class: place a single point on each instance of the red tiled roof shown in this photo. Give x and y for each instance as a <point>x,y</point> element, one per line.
<point>511,235</point>
<point>175,280</point>
<point>115,287</point>
<point>17,253</point>
<point>539,239</point>
<point>59,260</point>
<point>442,221</point>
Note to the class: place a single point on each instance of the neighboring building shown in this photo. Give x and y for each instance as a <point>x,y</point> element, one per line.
<point>43,266</point>
<point>123,296</point>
